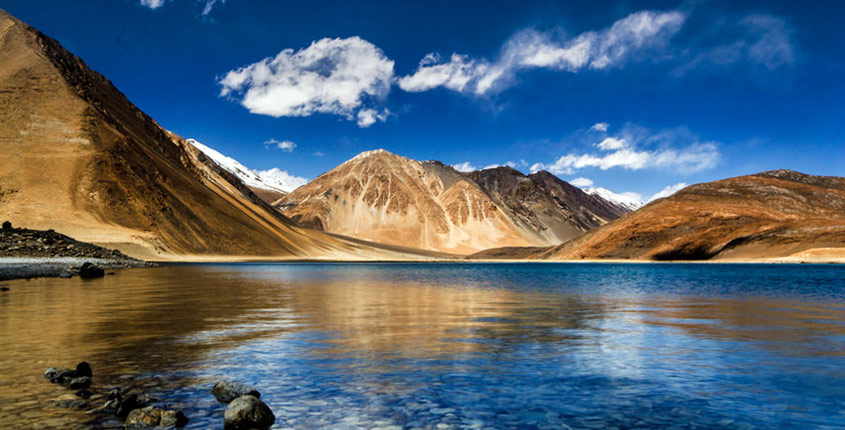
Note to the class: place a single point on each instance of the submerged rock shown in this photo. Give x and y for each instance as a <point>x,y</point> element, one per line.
<point>173,419</point>
<point>127,405</point>
<point>90,271</point>
<point>143,418</point>
<point>247,412</point>
<point>80,383</point>
<point>155,417</point>
<point>226,391</point>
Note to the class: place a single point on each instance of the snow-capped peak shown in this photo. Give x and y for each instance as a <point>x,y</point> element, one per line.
<point>628,200</point>
<point>273,179</point>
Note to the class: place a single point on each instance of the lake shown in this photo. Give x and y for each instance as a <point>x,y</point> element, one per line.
<point>442,346</point>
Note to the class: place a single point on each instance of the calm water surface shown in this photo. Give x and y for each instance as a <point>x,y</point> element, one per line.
<point>443,346</point>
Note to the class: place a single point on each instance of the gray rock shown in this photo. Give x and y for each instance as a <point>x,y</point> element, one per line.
<point>54,372</point>
<point>226,391</point>
<point>80,383</point>
<point>247,412</point>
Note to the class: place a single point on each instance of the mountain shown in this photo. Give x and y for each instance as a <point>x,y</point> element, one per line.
<point>625,201</point>
<point>383,197</point>
<point>80,158</point>
<point>773,214</point>
<point>269,185</point>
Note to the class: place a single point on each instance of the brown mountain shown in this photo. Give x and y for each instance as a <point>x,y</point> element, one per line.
<point>774,214</point>
<point>80,158</point>
<point>383,197</point>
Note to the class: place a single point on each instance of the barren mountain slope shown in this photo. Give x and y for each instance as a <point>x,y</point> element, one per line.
<point>768,215</point>
<point>555,209</point>
<point>79,158</point>
<point>384,197</point>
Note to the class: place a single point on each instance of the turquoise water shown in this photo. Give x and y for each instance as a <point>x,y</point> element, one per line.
<point>440,346</point>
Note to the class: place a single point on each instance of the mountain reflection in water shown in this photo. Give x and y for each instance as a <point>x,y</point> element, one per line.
<point>460,345</point>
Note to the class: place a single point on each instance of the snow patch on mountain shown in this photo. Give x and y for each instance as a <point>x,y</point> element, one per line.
<point>628,200</point>
<point>272,179</point>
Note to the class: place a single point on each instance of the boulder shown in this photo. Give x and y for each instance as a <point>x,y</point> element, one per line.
<point>173,419</point>
<point>143,418</point>
<point>83,369</point>
<point>247,412</point>
<point>7,225</point>
<point>226,391</point>
<point>90,271</point>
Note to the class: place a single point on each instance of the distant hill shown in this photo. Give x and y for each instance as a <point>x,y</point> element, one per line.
<point>383,197</point>
<point>773,214</point>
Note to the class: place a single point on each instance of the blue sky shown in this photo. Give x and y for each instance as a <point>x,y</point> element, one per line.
<point>628,95</point>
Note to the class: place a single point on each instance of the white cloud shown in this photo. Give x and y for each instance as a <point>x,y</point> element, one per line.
<point>281,178</point>
<point>610,143</point>
<point>209,5</point>
<point>319,154</point>
<point>762,40</point>
<point>638,148</point>
<point>284,145</point>
<point>368,117</point>
<point>668,191</point>
<point>582,182</point>
<point>334,76</point>
<point>152,4</point>
<point>530,49</point>
<point>464,167</point>
<point>600,126</point>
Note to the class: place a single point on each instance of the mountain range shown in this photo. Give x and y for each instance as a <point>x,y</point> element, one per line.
<point>383,197</point>
<point>80,158</point>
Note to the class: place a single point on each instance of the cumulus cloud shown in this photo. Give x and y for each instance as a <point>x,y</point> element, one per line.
<point>600,126</point>
<point>368,117</point>
<point>333,76</point>
<point>281,179</point>
<point>531,49</point>
<point>582,182</point>
<point>638,148</point>
<point>284,145</point>
<point>668,191</point>
<point>464,167</point>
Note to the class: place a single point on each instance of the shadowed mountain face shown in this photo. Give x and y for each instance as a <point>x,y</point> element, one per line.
<point>773,214</point>
<point>80,158</point>
<point>387,198</point>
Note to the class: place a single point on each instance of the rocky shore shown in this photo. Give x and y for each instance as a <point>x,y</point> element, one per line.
<point>26,253</point>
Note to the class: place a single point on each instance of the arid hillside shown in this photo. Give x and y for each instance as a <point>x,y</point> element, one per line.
<point>383,197</point>
<point>773,214</point>
<point>80,158</point>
